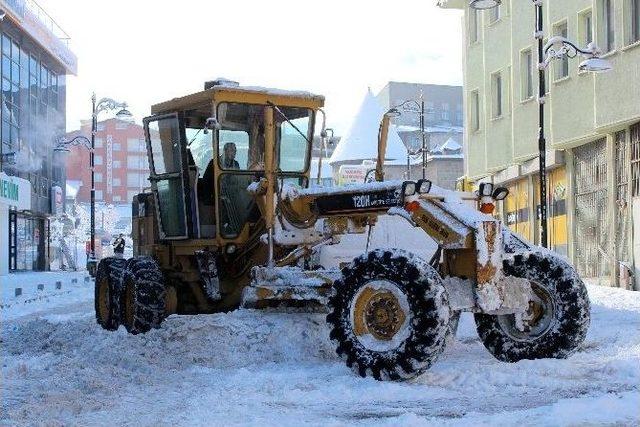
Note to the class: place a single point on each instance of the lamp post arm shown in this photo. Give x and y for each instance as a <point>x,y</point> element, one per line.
<point>75,141</point>
<point>106,104</point>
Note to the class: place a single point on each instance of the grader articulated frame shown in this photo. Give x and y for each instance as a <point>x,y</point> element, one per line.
<point>231,221</point>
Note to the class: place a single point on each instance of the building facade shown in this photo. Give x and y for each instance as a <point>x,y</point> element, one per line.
<point>443,112</point>
<point>592,126</point>
<point>120,157</point>
<point>443,124</point>
<point>35,60</point>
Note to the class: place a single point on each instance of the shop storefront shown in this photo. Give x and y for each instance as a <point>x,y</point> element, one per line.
<point>15,196</point>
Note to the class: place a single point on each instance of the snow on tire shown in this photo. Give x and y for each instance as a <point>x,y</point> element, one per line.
<point>558,317</point>
<point>144,295</point>
<point>389,315</point>
<point>107,292</point>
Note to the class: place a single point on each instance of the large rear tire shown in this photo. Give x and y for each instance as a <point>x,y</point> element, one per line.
<point>107,292</point>
<point>144,294</point>
<point>389,315</point>
<point>557,320</point>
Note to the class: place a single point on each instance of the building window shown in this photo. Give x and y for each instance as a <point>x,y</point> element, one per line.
<point>459,118</point>
<point>633,10</point>
<point>135,162</point>
<point>474,28</point>
<point>121,124</point>
<point>607,26</point>
<point>97,177</point>
<point>496,95</point>
<point>445,112</point>
<point>431,111</point>
<point>135,145</point>
<point>98,143</point>
<point>474,113</point>
<point>117,146</point>
<point>117,182</point>
<point>97,160</point>
<point>98,196</point>
<point>116,164</point>
<point>585,28</point>
<point>562,65</point>
<point>117,198</point>
<point>10,94</point>
<point>526,74</point>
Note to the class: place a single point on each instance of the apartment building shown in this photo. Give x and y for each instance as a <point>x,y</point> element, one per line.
<point>121,165</point>
<point>592,127</point>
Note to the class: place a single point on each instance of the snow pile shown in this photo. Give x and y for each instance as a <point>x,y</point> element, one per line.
<point>263,368</point>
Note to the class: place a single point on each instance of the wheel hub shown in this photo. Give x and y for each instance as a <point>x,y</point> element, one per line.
<point>535,321</point>
<point>380,315</point>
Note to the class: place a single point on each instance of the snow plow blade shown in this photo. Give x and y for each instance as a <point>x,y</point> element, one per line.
<point>283,287</point>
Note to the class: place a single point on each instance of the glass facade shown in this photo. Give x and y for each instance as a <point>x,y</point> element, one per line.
<point>32,117</point>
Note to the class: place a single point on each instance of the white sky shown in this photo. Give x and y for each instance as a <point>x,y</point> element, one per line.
<point>144,51</point>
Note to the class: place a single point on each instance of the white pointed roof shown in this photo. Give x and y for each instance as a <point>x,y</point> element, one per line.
<point>451,145</point>
<point>361,141</point>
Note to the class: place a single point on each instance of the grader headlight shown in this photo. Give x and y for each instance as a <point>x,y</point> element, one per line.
<point>423,186</point>
<point>408,189</point>
<point>409,202</point>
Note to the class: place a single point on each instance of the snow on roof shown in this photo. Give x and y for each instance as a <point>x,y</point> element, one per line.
<point>440,128</point>
<point>361,141</point>
<point>451,145</point>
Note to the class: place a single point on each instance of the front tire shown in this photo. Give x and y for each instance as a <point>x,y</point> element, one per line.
<point>389,315</point>
<point>144,295</point>
<point>557,320</point>
<point>107,292</point>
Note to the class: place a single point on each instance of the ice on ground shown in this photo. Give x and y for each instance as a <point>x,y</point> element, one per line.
<point>251,367</point>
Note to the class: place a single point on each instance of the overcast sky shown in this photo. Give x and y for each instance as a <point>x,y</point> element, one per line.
<point>144,51</point>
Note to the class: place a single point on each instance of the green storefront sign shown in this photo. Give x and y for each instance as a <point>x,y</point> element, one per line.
<point>9,190</point>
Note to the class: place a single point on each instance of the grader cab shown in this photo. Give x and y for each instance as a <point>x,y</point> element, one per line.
<point>232,221</point>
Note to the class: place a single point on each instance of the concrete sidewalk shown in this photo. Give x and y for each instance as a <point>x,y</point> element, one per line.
<point>23,285</point>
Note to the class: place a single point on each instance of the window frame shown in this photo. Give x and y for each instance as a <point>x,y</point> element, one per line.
<point>561,66</point>
<point>475,108</point>
<point>497,95</point>
<point>527,87</point>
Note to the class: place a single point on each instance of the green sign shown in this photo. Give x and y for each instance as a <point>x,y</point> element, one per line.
<point>9,190</point>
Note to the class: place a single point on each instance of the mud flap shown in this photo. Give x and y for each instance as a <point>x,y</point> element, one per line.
<point>209,274</point>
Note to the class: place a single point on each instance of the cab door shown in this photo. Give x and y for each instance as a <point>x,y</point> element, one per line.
<point>166,148</point>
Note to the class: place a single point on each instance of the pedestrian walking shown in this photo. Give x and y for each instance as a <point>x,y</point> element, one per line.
<point>118,246</point>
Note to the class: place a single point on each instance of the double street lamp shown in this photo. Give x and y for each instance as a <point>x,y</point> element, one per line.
<point>104,104</point>
<point>556,48</point>
<point>416,107</point>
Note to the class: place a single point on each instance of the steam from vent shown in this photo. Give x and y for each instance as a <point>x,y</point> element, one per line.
<point>37,142</point>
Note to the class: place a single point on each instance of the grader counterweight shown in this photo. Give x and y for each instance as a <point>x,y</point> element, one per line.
<point>231,221</point>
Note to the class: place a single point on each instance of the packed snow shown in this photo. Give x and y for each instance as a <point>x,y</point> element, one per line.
<point>251,367</point>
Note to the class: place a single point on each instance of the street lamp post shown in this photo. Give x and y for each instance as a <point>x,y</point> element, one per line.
<point>104,104</point>
<point>556,48</point>
<point>418,107</point>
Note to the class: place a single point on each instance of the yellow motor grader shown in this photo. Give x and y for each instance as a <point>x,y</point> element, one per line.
<point>233,220</point>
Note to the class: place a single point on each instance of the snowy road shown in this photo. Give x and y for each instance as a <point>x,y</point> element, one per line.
<point>255,368</point>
